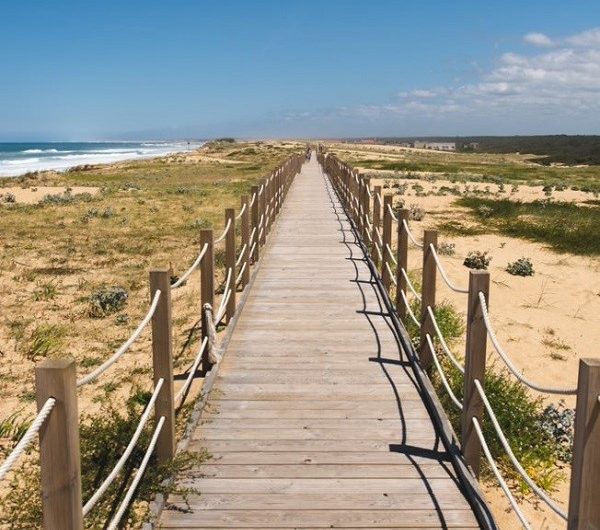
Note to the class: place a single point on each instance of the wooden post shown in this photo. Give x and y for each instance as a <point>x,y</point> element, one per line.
<point>263,212</point>
<point>162,361</point>
<point>59,446</point>
<point>584,508</point>
<point>427,296</point>
<point>402,257</point>
<point>246,240</point>
<point>207,286</point>
<point>365,204</point>
<point>376,223</point>
<point>255,217</point>
<point>230,260</point>
<point>475,353</point>
<point>387,240</point>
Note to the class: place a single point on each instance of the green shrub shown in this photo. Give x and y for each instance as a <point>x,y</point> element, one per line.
<point>477,260</point>
<point>10,198</point>
<point>44,340</point>
<point>521,267</point>
<point>446,249</point>
<point>415,212</point>
<point>106,301</point>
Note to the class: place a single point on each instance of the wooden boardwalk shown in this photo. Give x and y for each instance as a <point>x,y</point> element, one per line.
<point>314,419</point>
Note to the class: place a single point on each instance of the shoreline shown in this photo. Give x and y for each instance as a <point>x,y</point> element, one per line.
<point>32,160</point>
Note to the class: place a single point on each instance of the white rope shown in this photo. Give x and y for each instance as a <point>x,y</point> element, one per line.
<point>222,236</point>
<point>127,453</point>
<point>184,277</point>
<point>409,310</point>
<point>436,361</point>
<point>540,493</point>
<point>410,235</point>
<point>241,256</point>
<point>241,211</point>
<point>392,275</point>
<point>252,199</point>
<point>501,481</point>
<point>28,437</point>
<point>124,347</point>
<point>222,307</point>
<point>260,190</point>
<point>392,213</point>
<point>410,284</point>
<point>193,369</point>
<point>369,237</point>
<point>443,272</point>
<point>443,341</point>
<point>378,197</point>
<point>504,356</point>
<point>138,476</point>
<point>239,276</point>
<point>391,253</point>
<point>377,232</point>
<point>252,248</point>
<point>378,250</point>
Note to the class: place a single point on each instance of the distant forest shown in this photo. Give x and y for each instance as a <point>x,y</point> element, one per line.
<point>571,150</point>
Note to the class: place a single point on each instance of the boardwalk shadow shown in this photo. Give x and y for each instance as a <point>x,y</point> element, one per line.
<point>375,316</point>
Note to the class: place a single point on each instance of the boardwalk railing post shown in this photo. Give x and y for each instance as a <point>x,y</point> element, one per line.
<point>255,216</point>
<point>427,296</point>
<point>263,213</point>
<point>584,508</point>
<point>245,232</point>
<point>376,223</point>
<point>59,446</point>
<point>162,361</point>
<point>475,353</point>
<point>366,204</point>
<point>230,260</point>
<point>387,241</point>
<point>402,258</point>
<point>207,288</point>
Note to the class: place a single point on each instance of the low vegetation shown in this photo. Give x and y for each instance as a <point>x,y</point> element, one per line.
<point>521,267</point>
<point>478,260</point>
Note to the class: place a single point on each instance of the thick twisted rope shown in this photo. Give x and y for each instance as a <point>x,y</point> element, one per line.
<point>409,310</point>
<point>501,481</point>
<point>239,215</point>
<point>443,272</point>
<point>410,234</point>
<point>138,476</point>
<point>539,492</point>
<point>436,361</point>
<point>28,437</point>
<point>126,454</point>
<point>241,256</point>
<point>504,356</point>
<point>410,284</point>
<point>443,341</point>
<point>190,377</point>
<point>124,347</point>
<point>197,262</point>
<point>222,236</point>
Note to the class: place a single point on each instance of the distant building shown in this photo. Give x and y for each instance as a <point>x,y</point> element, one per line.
<point>436,146</point>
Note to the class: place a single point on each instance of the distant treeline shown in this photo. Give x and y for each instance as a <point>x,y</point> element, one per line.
<point>549,149</point>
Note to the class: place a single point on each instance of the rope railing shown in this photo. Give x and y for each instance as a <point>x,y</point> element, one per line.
<point>224,233</point>
<point>488,455</point>
<point>241,273</point>
<point>184,388</point>
<point>410,284</point>
<point>524,475</point>
<point>408,309</point>
<point>392,276</point>
<point>124,347</point>
<point>239,215</point>
<point>440,370</point>
<point>443,343</point>
<point>241,256</point>
<point>187,273</point>
<point>508,362</point>
<point>27,438</point>
<point>137,478</point>
<point>410,234</point>
<point>87,507</point>
<point>443,272</point>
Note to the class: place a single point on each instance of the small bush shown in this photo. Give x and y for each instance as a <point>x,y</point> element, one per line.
<point>521,267</point>
<point>10,198</point>
<point>477,260</point>
<point>200,223</point>
<point>416,213</point>
<point>484,211</point>
<point>106,301</point>
<point>44,340</point>
<point>559,422</point>
<point>446,249</point>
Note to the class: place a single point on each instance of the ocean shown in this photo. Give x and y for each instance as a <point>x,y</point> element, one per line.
<point>20,158</point>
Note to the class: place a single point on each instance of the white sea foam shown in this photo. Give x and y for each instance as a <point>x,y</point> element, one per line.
<point>64,159</point>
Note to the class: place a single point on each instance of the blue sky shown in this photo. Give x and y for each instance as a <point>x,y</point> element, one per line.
<point>129,69</point>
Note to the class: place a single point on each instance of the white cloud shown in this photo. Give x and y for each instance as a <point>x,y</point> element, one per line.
<point>538,39</point>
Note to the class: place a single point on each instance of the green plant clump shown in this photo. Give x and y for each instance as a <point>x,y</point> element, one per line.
<point>521,267</point>
<point>477,260</point>
<point>106,301</point>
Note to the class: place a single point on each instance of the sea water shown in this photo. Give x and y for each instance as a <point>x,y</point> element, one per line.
<point>20,158</point>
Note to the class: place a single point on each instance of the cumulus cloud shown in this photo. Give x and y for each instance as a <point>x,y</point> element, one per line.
<point>563,79</point>
<point>538,39</point>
